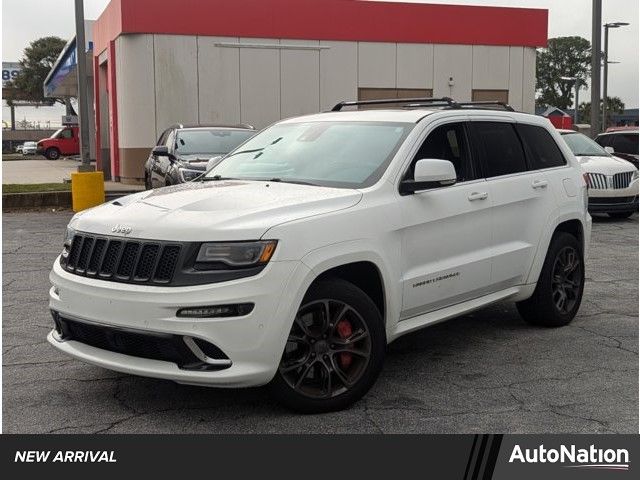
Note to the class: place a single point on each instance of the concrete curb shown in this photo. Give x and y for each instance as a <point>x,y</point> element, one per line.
<point>36,199</point>
<point>14,201</point>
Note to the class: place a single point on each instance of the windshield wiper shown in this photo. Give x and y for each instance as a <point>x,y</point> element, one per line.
<point>215,178</point>
<point>297,182</point>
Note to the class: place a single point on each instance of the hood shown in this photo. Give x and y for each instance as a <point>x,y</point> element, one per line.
<point>605,165</point>
<point>212,211</point>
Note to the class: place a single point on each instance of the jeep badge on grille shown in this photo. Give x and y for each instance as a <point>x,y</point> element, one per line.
<point>124,229</point>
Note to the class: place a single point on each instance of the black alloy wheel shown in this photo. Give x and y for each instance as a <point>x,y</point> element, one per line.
<point>327,350</point>
<point>334,351</point>
<point>558,294</point>
<point>567,279</point>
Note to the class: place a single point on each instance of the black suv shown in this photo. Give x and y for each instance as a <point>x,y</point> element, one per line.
<point>183,151</point>
<point>621,142</point>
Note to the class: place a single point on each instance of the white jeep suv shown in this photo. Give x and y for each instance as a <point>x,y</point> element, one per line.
<point>300,256</point>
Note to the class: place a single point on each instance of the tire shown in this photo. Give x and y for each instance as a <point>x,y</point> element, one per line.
<point>545,308</point>
<point>620,215</point>
<point>318,374</point>
<point>52,153</point>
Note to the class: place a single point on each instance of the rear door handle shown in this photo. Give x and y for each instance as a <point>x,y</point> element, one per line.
<point>478,196</point>
<point>539,184</point>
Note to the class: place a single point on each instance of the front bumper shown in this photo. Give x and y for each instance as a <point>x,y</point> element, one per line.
<point>253,343</point>
<point>613,204</point>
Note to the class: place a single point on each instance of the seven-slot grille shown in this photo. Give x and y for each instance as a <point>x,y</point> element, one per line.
<point>600,181</point>
<point>122,260</point>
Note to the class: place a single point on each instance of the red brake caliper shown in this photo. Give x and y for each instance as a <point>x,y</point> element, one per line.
<point>345,331</point>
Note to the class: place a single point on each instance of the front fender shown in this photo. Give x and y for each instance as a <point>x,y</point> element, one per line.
<point>559,216</point>
<point>323,259</point>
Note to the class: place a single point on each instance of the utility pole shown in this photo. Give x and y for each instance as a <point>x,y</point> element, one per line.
<point>596,64</point>
<point>605,79</point>
<point>81,59</point>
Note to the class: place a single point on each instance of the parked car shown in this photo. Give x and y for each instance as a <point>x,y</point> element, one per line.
<point>64,142</point>
<point>29,148</point>
<point>301,255</point>
<point>18,148</point>
<point>613,182</point>
<point>183,152</point>
<point>623,141</point>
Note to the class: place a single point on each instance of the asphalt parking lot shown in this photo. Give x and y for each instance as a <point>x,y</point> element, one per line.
<point>485,372</point>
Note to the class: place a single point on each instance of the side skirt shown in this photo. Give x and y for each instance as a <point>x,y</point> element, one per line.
<point>431,318</point>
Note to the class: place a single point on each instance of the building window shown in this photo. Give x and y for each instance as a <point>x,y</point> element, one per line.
<point>385,93</point>
<point>490,96</point>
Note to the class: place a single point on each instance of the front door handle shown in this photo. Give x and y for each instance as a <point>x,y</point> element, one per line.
<point>539,184</point>
<point>478,196</point>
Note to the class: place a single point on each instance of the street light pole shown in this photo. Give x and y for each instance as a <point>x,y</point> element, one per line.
<point>596,65</point>
<point>81,60</point>
<point>605,79</point>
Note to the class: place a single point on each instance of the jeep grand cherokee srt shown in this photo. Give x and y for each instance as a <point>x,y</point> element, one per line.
<point>300,256</point>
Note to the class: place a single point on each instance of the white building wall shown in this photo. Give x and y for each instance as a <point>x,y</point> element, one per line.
<point>529,80</point>
<point>452,64</point>
<point>299,79</point>
<point>219,80</point>
<point>176,80</point>
<point>516,59</point>
<point>338,73</point>
<point>490,68</point>
<point>376,65</point>
<point>259,83</point>
<point>135,91</point>
<point>414,65</point>
<point>165,79</point>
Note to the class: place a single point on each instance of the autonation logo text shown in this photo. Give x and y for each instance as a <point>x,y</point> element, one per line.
<point>573,457</point>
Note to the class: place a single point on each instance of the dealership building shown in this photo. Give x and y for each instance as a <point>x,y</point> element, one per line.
<point>158,62</point>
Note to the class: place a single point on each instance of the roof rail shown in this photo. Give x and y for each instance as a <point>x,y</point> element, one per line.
<point>410,101</point>
<point>486,103</point>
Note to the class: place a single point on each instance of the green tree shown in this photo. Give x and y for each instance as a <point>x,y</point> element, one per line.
<point>614,105</point>
<point>37,61</point>
<point>563,57</point>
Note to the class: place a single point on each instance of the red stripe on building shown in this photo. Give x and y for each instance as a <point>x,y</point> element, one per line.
<point>113,112</point>
<point>96,110</point>
<point>345,20</point>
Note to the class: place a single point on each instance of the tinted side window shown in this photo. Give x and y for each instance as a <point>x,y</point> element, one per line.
<point>447,142</point>
<point>603,140</point>
<point>626,143</point>
<point>162,138</point>
<point>541,148</point>
<point>499,148</point>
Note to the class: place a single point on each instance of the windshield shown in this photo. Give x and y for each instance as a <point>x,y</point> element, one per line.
<point>332,154</point>
<point>209,142</point>
<point>581,145</point>
<point>57,133</point>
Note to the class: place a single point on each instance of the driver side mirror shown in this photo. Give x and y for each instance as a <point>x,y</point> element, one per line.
<point>429,173</point>
<point>609,150</point>
<point>162,151</point>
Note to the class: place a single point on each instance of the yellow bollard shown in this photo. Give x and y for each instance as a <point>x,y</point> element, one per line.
<point>87,190</point>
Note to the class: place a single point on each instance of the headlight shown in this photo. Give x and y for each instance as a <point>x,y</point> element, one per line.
<point>189,175</point>
<point>236,254</point>
<point>635,175</point>
<point>68,238</point>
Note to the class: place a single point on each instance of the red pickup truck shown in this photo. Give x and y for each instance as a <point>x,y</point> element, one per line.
<point>65,141</point>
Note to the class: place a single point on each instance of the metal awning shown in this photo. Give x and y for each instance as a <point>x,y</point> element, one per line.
<point>62,80</point>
